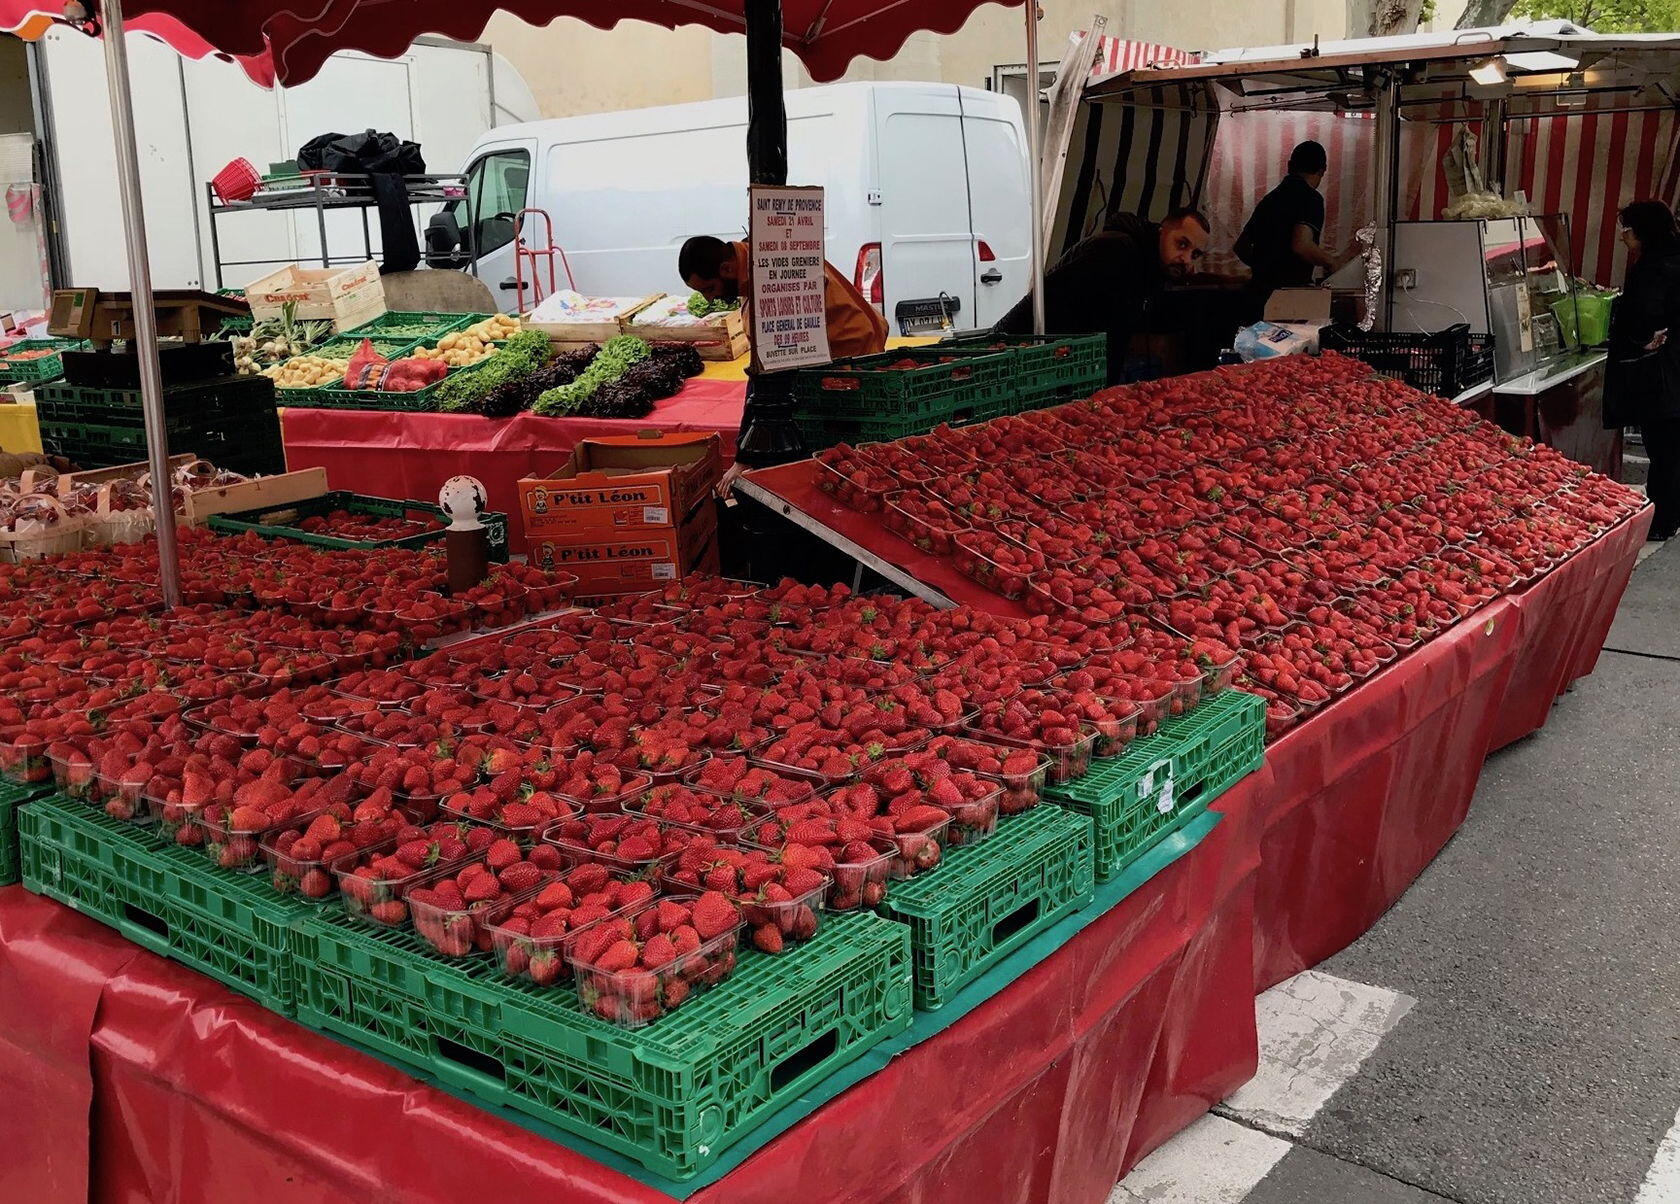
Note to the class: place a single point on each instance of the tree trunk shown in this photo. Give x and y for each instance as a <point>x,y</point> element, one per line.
<point>1479,13</point>
<point>1389,17</point>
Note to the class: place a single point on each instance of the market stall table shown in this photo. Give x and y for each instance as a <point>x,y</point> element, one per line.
<point>1068,1075</point>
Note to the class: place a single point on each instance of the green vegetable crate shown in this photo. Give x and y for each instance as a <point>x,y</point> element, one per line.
<point>12,796</point>
<point>46,367</point>
<point>416,326</point>
<point>869,398</point>
<point>672,1095</point>
<point>983,901</point>
<point>161,896</point>
<point>280,522</point>
<point>1163,780</point>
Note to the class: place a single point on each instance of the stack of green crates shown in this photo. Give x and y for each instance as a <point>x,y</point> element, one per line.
<point>230,421</point>
<point>971,379</point>
<point>899,393</point>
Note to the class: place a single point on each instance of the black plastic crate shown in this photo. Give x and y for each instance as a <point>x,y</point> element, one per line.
<point>1444,363</point>
<point>231,400</point>
<point>181,363</point>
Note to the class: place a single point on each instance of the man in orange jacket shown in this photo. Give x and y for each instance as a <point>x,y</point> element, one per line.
<point>719,271</point>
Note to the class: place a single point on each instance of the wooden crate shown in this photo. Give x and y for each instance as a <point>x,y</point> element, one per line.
<point>280,490</point>
<point>347,297</point>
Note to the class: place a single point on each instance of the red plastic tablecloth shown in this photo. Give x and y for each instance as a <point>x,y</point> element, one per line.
<point>401,455</point>
<point>1062,1081</point>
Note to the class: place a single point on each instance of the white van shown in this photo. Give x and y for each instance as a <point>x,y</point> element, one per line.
<point>927,201</point>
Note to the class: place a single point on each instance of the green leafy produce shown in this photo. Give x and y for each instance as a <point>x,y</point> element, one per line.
<point>610,364</point>
<point>521,355</point>
<point>702,308</point>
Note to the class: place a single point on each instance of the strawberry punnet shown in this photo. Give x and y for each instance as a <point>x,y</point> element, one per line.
<point>451,907</point>
<point>636,966</point>
<point>530,937</point>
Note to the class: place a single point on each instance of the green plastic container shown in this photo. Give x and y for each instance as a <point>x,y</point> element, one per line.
<point>869,387</point>
<point>12,796</point>
<point>280,522</point>
<point>984,901</point>
<point>162,897</point>
<point>1049,368</point>
<point>47,367</point>
<point>671,1095</point>
<point>1165,779</point>
<point>416,326</point>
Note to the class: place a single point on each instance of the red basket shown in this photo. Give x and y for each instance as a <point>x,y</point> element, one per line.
<point>237,181</point>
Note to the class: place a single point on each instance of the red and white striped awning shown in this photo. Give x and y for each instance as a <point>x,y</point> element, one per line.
<point>1117,54</point>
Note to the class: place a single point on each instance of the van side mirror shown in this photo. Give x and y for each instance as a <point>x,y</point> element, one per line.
<point>443,241</point>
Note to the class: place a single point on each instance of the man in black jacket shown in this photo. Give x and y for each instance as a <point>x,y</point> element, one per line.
<point>1108,282</point>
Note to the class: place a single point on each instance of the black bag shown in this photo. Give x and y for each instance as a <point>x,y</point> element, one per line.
<point>386,159</point>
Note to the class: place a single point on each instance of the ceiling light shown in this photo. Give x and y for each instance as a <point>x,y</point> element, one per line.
<point>1490,73</point>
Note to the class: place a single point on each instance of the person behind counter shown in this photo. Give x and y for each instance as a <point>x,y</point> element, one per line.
<point>1642,380</point>
<point>1280,243</point>
<point>1107,283</point>
<point>718,271</point>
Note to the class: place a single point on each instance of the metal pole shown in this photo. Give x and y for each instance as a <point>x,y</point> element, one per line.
<point>140,286</point>
<point>1387,162</point>
<point>1035,168</point>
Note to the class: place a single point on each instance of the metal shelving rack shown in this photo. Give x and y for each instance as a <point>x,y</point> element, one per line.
<point>323,193</point>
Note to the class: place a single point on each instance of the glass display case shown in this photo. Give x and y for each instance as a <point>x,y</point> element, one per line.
<point>1507,277</point>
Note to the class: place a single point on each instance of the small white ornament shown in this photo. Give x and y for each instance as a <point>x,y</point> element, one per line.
<point>462,499</point>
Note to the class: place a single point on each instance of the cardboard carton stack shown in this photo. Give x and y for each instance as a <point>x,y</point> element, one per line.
<point>627,513</point>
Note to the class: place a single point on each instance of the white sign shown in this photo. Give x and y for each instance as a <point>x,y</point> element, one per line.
<point>789,329</point>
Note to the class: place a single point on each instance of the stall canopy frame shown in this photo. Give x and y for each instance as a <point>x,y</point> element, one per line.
<point>1554,70</point>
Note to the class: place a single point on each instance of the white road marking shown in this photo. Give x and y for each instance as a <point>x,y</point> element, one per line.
<point>1214,1161</point>
<point>1662,1181</point>
<point>1315,1031</point>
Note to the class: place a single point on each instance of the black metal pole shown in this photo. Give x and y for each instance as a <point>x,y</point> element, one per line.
<point>768,434</point>
<point>766,106</point>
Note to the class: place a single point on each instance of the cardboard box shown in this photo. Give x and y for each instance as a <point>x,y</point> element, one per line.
<point>1301,311</point>
<point>622,485</point>
<point>625,562</point>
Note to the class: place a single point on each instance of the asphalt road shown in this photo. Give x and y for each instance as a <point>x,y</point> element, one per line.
<point>1539,1061</point>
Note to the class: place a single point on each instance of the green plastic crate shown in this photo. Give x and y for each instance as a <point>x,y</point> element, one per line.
<point>866,388</point>
<point>986,900</point>
<point>12,796</point>
<point>165,898</point>
<point>226,401</point>
<point>671,1095</point>
<point>1163,780</point>
<point>47,367</point>
<point>279,522</point>
<point>343,346</point>
<point>1049,368</point>
<point>436,325</point>
<point>821,430</point>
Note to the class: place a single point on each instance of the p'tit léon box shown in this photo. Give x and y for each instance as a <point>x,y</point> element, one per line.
<point>623,483</point>
<point>627,513</point>
<point>635,562</point>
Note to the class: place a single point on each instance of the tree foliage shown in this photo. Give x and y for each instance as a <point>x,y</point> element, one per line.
<point>1606,16</point>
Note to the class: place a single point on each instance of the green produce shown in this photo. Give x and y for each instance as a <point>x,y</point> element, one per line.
<point>702,308</point>
<point>521,355</point>
<point>615,357</point>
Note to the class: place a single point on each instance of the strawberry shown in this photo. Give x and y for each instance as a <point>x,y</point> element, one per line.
<point>714,915</point>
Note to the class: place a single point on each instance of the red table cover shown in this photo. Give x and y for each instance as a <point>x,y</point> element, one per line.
<point>1049,1091</point>
<point>403,455</point>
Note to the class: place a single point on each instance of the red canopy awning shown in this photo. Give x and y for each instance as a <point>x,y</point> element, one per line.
<point>287,41</point>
